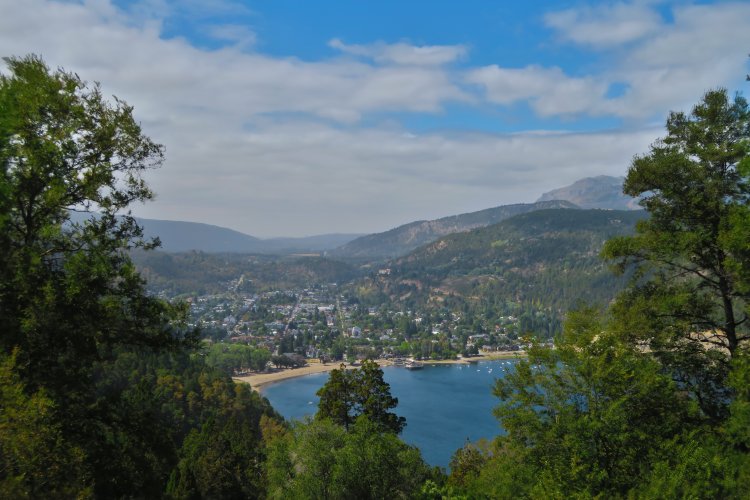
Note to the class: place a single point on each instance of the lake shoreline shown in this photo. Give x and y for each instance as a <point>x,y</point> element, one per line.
<point>258,381</point>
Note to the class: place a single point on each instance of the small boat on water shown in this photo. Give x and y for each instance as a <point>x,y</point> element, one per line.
<point>413,365</point>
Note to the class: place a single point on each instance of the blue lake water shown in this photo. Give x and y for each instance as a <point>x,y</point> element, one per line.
<point>444,405</point>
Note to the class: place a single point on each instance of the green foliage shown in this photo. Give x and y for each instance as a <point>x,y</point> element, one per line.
<point>283,361</point>
<point>233,359</point>
<point>68,293</point>
<point>320,459</point>
<point>652,403</point>
<point>223,459</point>
<point>35,460</point>
<point>690,304</point>
<point>467,462</point>
<point>100,395</point>
<point>589,417</point>
<point>694,242</point>
<point>362,391</point>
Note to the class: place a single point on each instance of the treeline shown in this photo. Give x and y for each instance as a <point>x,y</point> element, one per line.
<point>234,359</point>
<point>199,273</point>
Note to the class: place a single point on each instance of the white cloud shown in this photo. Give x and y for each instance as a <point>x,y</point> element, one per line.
<point>549,90</point>
<point>659,65</point>
<point>606,25</point>
<point>273,145</point>
<point>404,53</point>
<point>703,48</point>
<point>233,86</point>
<point>310,177</point>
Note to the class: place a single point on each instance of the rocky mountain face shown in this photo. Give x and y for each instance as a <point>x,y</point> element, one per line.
<point>602,191</point>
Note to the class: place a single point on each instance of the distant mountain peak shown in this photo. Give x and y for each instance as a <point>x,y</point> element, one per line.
<point>602,191</point>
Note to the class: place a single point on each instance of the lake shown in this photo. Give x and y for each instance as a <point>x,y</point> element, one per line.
<point>444,405</point>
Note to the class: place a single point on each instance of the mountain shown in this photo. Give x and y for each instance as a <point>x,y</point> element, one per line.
<point>181,236</point>
<point>317,243</point>
<point>540,263</point>
<point>603,191</point>
<point>177,236</point>
<point>403,239</point>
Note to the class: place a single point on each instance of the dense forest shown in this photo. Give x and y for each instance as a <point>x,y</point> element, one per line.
<point>107,393</point>
<point>199,273</point>
<point>535,266</point>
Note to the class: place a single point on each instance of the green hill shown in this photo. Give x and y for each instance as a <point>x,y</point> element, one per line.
<point>204,273</point>
<point>539,264</point>
<point>403,239</point>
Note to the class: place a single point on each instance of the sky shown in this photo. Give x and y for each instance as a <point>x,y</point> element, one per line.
<point>300,117</point>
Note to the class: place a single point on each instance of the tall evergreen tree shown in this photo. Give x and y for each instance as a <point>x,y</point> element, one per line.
<point>690,305</point>
<point>351,393</point>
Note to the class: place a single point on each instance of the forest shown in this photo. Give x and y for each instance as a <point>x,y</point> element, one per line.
<point>107,392</point>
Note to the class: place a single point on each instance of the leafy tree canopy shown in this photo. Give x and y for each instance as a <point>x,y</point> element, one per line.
<point>588,416</point>
<point>650,401</point>
<point>100,397</point>
<point>320,459</point>
<point>68,292</point>
<point>362,391</point>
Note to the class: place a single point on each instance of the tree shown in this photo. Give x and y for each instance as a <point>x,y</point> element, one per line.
<point>691,256</point>
<point>587,418</point>
<point>68,292</point>
<point>351,393</point>
<point>320,459</point>
<point>649,401</point>
<point>70,298</point>
<point>223,459</point>
<point>35,460</point>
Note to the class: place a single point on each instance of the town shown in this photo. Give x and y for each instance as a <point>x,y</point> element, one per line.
<point>327,323</point>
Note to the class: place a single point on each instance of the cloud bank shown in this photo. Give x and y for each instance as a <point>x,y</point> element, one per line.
<point>275,145</point>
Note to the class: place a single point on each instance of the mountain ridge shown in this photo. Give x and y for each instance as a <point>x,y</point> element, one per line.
<point>185,236</point>
<point>407,237</point>
<point>543,262</point>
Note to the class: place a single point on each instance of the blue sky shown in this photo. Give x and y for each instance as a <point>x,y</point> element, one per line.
<point>293,117</point>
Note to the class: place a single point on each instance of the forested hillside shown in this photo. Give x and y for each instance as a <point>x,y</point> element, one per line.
<point>198,273</point>
<point>403,239</point>
<point>535,265</point>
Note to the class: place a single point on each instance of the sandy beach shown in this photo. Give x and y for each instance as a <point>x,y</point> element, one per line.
<point>258,380</point>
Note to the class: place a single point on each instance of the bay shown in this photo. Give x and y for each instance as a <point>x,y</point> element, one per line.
<point>444,405</point>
